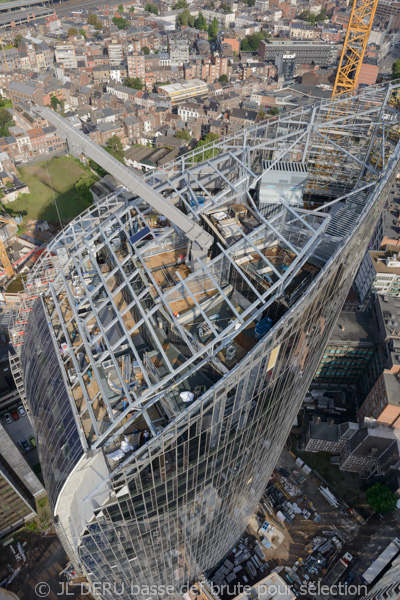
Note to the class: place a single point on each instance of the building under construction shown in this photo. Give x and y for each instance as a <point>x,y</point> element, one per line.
<point>167,337</point>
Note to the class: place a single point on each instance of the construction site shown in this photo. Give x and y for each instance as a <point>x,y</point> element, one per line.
<point>156,318</point>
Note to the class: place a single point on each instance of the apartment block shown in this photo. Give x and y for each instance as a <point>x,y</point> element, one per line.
<point>65,54</point>
<point>379,273</point>
<point>136,66</point>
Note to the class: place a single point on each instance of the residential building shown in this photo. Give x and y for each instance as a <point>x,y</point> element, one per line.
<point>353,356</point>
<point>379,274</point>
<point>368,449</point>
<point>383,401</point>
<point>178,50</point>
<point>115,53</point>
<point>190,110</point>
<point>240,118</point>
<point>65,54</point>
<point>224,19</point>
<point>285,65</point>
<point>307,52</point>
<point>368,74</point>
<point>136,66</point>
<point>19,486</point>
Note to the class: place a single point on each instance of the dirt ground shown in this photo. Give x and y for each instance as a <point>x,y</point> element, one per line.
<point>40,575</point>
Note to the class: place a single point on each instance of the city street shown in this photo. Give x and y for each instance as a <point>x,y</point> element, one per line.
<point>371,540</point>
<point>20,430</point>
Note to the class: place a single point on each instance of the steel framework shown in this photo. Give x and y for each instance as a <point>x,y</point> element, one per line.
<point>120,330</point>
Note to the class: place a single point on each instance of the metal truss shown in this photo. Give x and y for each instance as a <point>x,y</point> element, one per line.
<point>355,44</point>
<point>112,295</point>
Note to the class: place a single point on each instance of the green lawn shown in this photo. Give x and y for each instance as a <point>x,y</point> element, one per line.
<point>60,177</point>
<point>6,102</point>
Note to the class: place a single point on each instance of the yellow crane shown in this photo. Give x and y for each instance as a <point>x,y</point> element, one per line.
<point>355,44</point>
<point>354,47</point>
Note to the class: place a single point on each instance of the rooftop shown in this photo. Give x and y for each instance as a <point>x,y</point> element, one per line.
<point>355,327</point>
<point>386,261</point>
<point>164,286</point>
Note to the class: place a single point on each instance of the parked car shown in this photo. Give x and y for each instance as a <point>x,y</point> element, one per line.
<point>7,418</point>
<point>21,411</point>
<point>32,441</point>
<point>350,578</point>
<point>25,445</point>
<point>15,415</point>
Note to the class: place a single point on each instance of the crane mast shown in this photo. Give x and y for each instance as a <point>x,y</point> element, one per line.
<point>355,44</point>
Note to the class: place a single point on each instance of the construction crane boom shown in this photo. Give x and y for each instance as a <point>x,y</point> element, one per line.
<point>201,239</point>
<point>355,44</point>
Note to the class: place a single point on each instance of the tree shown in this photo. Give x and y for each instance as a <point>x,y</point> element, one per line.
<point>133,82</point>
<point>201,23</point>
<point>72,31</point>
<point>223,78</point>
<point>93,165</point>
<point>225,7</point>
<point>261,113</point>
<point>17,40</point>
<point>396,69</point>
<point>120,22</point>
<point>381,498</point>
<point>151,8</point>
<point>54,102</point>
<point>211,152</point>
<point>180,4</point>
<point>132,9</point>
<point>82,188</point>
<point>83,33</point>
<point>251,43</point>
<point>115,148</point>
<point>185,19</point>
<point>213,29</point>
<point>306,15</point>
<point>146,50</point>
<point>183,134</point>
<point>273,110</point>
<point>5,122</point>
<point>121,8</point>
<point>92,19</point>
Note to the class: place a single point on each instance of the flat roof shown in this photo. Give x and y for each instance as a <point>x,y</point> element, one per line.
<point>380,259</point>
<point>354,327</point>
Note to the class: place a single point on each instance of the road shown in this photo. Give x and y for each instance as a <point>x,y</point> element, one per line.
<point>372,539</point>
<point>385,65</point>
<point>19,430</point>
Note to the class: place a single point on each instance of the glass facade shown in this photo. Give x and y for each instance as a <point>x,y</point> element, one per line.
<point>163,380</point>
<point>59,444</point>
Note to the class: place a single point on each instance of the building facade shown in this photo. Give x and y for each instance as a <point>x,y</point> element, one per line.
<point>353,355</point>
<point>306,51</point>
<point>164,377</point>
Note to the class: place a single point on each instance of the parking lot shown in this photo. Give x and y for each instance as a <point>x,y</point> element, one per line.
<point>19,430</point>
